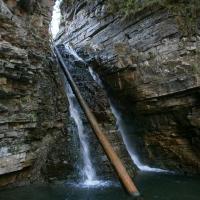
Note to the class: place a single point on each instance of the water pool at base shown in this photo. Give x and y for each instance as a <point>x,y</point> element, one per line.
<point>152,186</point>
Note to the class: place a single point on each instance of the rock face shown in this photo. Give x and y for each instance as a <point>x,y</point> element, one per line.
<point>151,65</point>
<point>95,96</point>
<point>33,106</point>
<point>38,140</point>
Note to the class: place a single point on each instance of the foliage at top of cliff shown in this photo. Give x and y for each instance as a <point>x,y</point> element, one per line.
<point>187,11</point>
<point>128,7</point>
<point>131,6</point>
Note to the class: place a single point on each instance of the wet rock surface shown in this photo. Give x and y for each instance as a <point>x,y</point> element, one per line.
<point>97,100</point>
<point>151,67</point>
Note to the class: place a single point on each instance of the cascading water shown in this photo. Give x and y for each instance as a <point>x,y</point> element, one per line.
<point>89,178</point>
<point>154,186</point>
<point>120,123</point>
<point>130,150</point>
<point>122,130</point>
<point>95,77</point>
<point>72,52</point>
<point>88,171</point>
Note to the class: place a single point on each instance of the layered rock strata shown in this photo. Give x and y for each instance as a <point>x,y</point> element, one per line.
<point>150,62</point>
<point>96,98</point>
<point>38,139</point>
<point>33,106</point>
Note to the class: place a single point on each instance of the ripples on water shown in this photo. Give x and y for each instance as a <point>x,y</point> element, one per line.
<point>152,186</point>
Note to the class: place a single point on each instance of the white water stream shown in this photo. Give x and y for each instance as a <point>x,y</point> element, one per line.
<point>119,120</point>
<point>129,147</point>
<point>88,171</point>
<point>122,130</point>
<point>56,17</point>
<point>72,52</point>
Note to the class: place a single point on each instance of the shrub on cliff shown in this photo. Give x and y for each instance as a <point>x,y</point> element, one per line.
<point>187,12</point>
<point>131,6</point>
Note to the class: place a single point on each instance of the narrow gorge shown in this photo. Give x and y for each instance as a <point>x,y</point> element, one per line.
<point>136,66</point>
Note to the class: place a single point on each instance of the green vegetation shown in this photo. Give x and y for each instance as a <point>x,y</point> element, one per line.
<point>128,7</point>
<point>187,14</point>
<point>186,11</point>
<point>132,6</point>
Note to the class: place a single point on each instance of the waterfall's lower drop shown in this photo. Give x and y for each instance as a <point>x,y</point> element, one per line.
<point>88,173</point>
<point>122,130</point>
<point>131,151</point>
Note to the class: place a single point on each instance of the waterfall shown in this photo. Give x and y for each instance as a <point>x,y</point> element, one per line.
<point>129,147</point>
<point>122,130</point>
<point>88,171</point>
<point>95,77</point>
<point>73,53</point>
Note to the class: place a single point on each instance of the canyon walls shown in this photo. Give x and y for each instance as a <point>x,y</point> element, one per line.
<point>149,62</point>
<point>33,105</point>
<point>38,138</point>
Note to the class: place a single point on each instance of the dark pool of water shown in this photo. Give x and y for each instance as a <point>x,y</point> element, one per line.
<point>152,186</point>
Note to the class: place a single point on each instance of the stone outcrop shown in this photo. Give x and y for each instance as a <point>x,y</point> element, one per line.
<point>33,106</point>
<point>150,63</point>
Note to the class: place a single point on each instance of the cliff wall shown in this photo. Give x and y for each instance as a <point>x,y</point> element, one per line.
<point>150,64</point>
<point>33,106</point>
